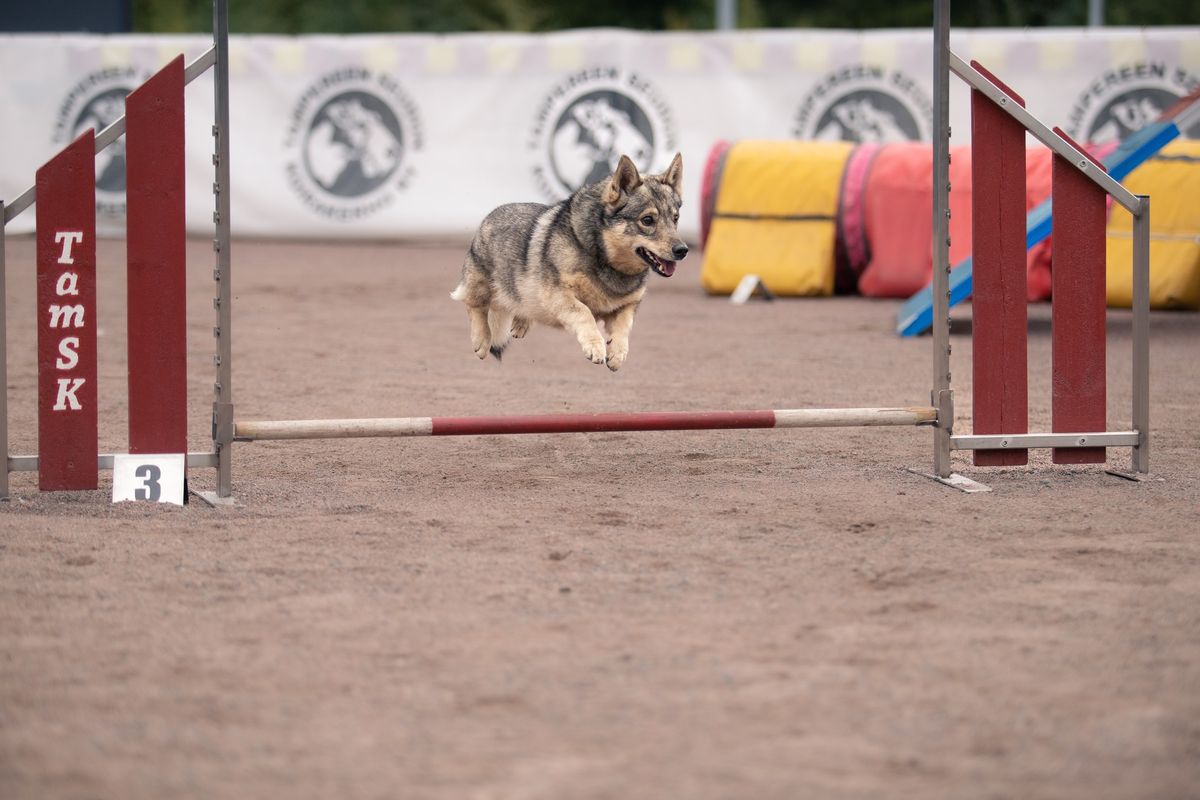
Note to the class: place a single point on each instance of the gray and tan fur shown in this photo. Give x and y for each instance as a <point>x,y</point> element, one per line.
<point>575,265</point>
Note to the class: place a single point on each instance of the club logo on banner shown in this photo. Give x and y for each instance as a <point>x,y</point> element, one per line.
<point>865,103</point>
<point>1126,98</point>
<point>350,144</point>
<point>589,121</point>
<point>95,102</point>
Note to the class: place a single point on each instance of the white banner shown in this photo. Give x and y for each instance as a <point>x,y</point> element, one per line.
<point>420,136</point>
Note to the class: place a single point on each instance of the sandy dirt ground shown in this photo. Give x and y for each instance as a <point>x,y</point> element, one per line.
<point>704,614</point>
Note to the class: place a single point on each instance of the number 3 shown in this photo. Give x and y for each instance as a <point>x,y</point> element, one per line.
<point>152,491</point>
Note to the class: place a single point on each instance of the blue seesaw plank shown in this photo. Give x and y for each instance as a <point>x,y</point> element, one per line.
<point>916,315</point>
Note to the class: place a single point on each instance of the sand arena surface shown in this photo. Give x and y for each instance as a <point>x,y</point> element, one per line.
<point>702,614</point>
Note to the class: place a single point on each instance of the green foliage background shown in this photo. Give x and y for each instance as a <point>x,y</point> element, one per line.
<point>439,16</point>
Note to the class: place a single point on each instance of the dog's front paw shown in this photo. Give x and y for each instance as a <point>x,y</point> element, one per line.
<point>519,328</point>
<point>482,348</point>
<point>594,351</point>
<point>617,355</point>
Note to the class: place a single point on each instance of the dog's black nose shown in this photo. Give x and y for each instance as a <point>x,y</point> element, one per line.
<point>679,251</point>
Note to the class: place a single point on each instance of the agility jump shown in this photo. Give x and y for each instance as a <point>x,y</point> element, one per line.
<point>999,123</point>
<point>153,124</point>
<point>65,192</point>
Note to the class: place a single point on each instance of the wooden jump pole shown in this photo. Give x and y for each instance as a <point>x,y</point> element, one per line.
<point>583,423</point>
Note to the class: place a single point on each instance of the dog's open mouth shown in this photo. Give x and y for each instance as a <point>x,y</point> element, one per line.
<point>659,265</point>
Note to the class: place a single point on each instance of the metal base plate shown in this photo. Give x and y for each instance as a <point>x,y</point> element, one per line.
<point>1136,477</point>
<point>215,502</point>
<point>956,481</point>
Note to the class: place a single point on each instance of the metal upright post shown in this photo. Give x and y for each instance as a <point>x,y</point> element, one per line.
<point>3,367</point>
<point>941,397</point>
<point>726,15</point>
<point>1141,335</point>
<point>223,401</point>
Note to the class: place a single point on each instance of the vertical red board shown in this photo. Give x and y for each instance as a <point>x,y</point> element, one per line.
<point>68,438</point>
<point>156,275</point>
<point>1078,311</point>
<point>1000,388</point>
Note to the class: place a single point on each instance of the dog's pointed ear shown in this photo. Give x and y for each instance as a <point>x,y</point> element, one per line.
<point>625,179</point>
<point>673,177</point>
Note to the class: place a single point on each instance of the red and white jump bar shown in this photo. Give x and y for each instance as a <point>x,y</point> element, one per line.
<point>583,423</point>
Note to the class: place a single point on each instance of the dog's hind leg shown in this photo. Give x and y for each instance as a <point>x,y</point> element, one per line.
<point>520,327</point>
<point>500,324</point>
<point>481,336</point>
<point>474,292</point>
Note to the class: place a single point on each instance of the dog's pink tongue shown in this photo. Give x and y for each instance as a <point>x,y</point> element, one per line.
<point>668,268</point>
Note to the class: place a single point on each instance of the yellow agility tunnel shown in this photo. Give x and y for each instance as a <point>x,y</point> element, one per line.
<point>815,218</point>
<point>772,211</point>
<point>1172,179</point>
